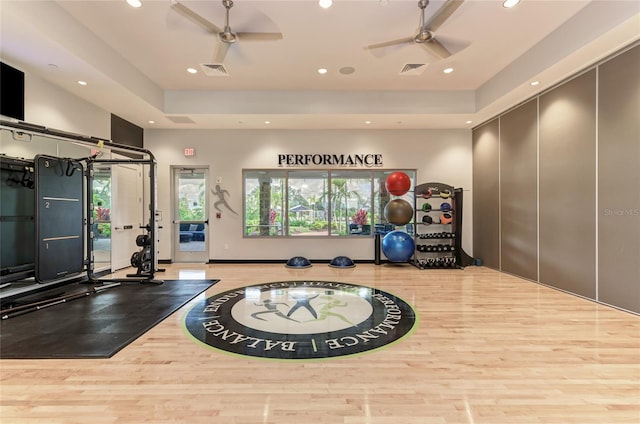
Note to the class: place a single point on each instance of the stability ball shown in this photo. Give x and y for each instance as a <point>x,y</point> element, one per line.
<point>398,246</point>
<point>398,212</point>
<point>398,183</point>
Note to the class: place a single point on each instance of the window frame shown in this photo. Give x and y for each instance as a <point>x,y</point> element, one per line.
<point>375,200</point>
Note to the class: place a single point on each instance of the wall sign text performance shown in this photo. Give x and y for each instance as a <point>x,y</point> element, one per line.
<point>367,160</point>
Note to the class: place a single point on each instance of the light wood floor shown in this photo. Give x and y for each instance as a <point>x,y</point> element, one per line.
<point>490,348</point>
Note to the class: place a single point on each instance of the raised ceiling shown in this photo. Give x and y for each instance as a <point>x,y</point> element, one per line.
<point>135,60</point>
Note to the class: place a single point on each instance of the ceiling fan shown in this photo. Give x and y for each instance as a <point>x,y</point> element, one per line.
<point>226,35</point>
<point>425,36</point>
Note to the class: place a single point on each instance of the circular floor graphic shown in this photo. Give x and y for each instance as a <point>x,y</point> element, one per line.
<point>300,320</point>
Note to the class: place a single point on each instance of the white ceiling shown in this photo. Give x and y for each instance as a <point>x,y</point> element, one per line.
<point>135,60</point>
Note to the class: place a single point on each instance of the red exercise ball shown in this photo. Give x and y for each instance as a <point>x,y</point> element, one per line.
<point>398,183</point>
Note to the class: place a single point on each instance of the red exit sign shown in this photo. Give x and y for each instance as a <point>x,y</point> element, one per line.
<point>189,151</point>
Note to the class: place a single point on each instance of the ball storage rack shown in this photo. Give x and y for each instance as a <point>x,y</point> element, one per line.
<point>438,227</point>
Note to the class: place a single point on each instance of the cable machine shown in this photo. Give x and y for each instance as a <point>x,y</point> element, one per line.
<point>61,219</point>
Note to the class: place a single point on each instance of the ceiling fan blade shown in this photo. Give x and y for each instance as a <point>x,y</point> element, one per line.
<point>443,14</point>
<point>390,43</point>
<point>221,53</point>
<point>194,17</point>
<point>434,47</point>
<point>259,36</point>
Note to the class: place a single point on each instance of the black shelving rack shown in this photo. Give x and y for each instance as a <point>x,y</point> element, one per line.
<point>438,227</point>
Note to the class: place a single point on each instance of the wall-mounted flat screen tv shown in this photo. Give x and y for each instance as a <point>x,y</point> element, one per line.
<point>11,92</point>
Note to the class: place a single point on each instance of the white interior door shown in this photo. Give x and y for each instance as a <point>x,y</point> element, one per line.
<point>126,213</point>
<point>190,215</point>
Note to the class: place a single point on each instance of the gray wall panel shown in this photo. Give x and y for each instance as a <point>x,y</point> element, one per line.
<point>567,186</point>
<point>518,191</point>
<point>486,223</point>
<point>619,181</point>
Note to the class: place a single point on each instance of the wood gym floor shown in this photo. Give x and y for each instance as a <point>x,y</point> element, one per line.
<point>489,348</point>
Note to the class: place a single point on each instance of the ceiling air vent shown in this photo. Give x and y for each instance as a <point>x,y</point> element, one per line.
<point>413,69</point>
<point>181,120</point>
<point>214,69</point>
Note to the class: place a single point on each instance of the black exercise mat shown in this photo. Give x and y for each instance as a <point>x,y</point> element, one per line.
<point>95,326</point>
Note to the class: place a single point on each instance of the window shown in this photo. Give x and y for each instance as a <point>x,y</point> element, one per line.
<point>264,203</point>
<point>316,203</point>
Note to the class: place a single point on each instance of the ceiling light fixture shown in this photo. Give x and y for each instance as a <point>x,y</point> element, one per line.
<point>152,122</point>
<point>367,122</point>
<point>325,4</point>
<point>447,70</point>
<point>534,83</point>
<point>469,122</point>
<point>322,71</point>
<point>192,70</point>
<point>82,82</point>
<point>510,3</point>
<point>267,122</point>
<point>347,70</point>
<point>134,3</point>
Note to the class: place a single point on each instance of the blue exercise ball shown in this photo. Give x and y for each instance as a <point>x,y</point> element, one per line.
<point>398,246</point>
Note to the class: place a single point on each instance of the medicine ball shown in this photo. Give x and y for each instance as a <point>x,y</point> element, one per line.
<point>425,194</point>
<point>445,194</point>
<point>445,207</point>
<point>426,207</point>
<point>446,218</point>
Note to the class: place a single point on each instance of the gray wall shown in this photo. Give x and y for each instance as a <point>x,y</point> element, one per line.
<point>561,173</point>
<point>486,217</point>
<point>519,191</point>
<point>567,185</point>
<point>619,181</point>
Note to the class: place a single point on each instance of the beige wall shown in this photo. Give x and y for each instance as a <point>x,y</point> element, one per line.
<point>569,185</point>
<point>437,155</point>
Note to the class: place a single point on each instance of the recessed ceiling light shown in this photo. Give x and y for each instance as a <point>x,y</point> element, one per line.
<point>469,122</point>
<point>82,82</point>
<point>325,4</point>
<point>447,70</point>
<point>267,122</point>
<point>510,3</point>
<point>134,3</point>
<point>192,70</point>
<point>152,122</point>
<point>367,122</point>
<point>322,71</point>
<point>534,83</point>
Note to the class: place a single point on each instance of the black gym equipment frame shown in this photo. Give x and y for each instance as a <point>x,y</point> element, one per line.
<point>23,129</point>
